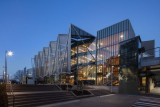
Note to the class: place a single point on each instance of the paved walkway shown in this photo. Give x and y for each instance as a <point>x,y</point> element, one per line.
<point>112,100</point>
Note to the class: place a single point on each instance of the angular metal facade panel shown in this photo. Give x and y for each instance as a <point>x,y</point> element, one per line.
<point>36,65</point>
<point>52,57</point>
<point>46,61</point>
<point>40,53</point>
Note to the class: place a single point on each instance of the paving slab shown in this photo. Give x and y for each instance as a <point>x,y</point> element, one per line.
<point>116,100</point>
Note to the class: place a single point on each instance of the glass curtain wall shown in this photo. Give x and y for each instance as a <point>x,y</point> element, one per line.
<point>108,40</point>
<point>83,52</point>
<point>128,72</point>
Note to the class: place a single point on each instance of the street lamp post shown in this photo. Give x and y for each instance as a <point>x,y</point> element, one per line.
<point>6,67</point>
<point>9,53</point>
<point>3,74</point>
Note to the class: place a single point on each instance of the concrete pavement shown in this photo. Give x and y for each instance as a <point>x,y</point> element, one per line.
<point>116,100</point>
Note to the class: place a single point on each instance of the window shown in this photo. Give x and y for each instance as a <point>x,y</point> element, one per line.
<point>112,30</point>
<point>105,32</point>
<point>123,26</point>
<point>102,33</point>
<point>144,81</point>
<point>81,32</point>
<point>127,24</point>
<point>85,34</point>
<point>72,31</point>
<point>120,27</point>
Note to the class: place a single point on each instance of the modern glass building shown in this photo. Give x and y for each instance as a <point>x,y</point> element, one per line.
<point>80,55</point>
<point>83,55</point>
<point>108,40</point>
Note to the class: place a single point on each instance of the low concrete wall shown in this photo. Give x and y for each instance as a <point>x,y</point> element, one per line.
<point>115,89</point>
<point>151,84</point>
<point>128,87</point>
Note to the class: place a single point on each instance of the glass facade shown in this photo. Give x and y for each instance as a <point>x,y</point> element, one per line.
<point>79,55</point>
<point>108,40</point>
<point>83,53</point>
<point>128,65</point>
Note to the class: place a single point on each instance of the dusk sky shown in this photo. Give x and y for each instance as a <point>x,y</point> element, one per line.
<point>26,26</point>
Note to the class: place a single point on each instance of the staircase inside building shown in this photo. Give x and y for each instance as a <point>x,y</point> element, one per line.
<point>37,95</point>
<point>114,82</point>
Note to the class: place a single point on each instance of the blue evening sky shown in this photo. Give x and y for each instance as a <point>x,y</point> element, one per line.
<point>26,26</point>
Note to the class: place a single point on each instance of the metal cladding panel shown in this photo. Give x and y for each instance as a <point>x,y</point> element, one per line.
<point>25,71</point>
<point>61,51</point>
<point>46,60</point>
<point>116,28</point>
<point>40,62</point>
<point>52,50</point>
<point>52,47</point>
<point>63,38</point>
<point>131,31</point>
<point>46,51</point>
<point>36,65</point>
<point>36,60</point>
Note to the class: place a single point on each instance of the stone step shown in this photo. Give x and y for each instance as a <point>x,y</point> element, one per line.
<point>39,95</point>
<point>25,96</point>
<point>41,103</point>
<point>43,99</point>
<point>38,99</point>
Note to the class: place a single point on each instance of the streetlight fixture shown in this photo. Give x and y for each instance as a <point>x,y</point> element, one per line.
<point>9,53</point>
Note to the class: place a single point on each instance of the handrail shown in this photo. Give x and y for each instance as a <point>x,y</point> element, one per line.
<point>12,93</point>
<point>60,84</point>
<point>152,49</point>
<point>110,81</point>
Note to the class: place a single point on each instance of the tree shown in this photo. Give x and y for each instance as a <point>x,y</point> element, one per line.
<point>18,75</point>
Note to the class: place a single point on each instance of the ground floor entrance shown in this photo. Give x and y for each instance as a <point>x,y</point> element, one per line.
<point>149,80</point>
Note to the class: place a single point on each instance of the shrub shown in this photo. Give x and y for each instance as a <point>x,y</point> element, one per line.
<point>3,96</point>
